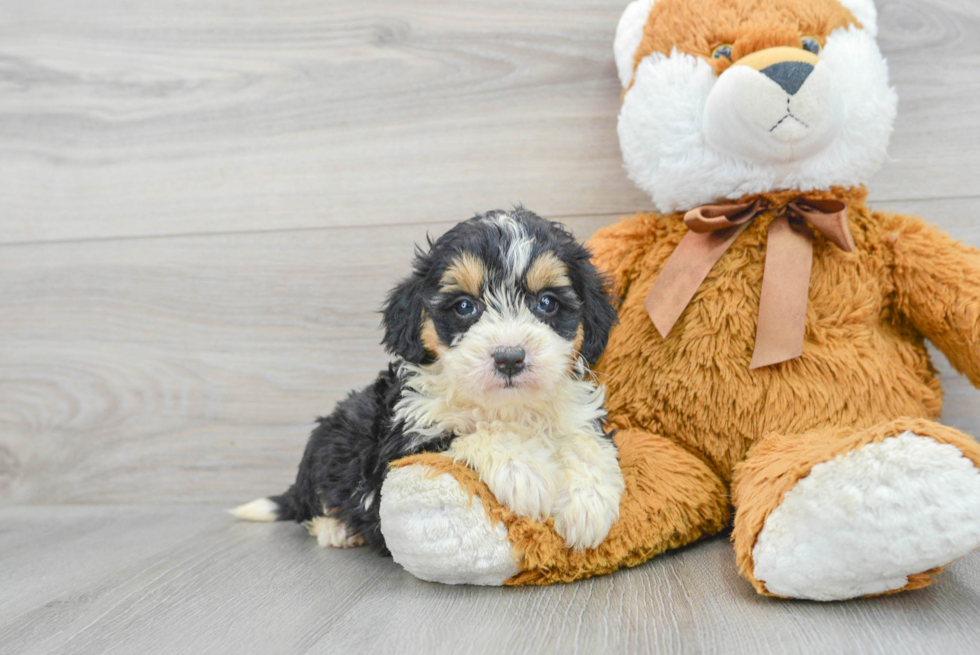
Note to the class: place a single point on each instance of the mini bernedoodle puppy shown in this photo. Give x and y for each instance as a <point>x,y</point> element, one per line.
<point>495,331</point>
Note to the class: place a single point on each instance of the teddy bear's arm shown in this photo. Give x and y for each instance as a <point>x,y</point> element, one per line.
<point>937,280</point>
<point>617,248</point>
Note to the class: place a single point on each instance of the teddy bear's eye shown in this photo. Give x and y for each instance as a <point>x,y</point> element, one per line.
<point>811,44</point>
<point>724,50</point>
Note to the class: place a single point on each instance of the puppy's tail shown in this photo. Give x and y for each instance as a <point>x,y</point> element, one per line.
<point>273,508</point>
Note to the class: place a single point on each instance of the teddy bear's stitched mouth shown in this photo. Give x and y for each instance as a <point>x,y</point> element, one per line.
<point>789,114</point>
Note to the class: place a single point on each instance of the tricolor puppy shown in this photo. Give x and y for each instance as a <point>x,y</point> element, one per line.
<point>494,331</point>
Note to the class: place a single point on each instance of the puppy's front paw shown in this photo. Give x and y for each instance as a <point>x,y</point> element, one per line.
<point>584,515</point>
<point>524,489</point>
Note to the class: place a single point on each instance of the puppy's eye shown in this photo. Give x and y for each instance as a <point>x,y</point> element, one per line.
<point>724,50</point>
<point>811,44</point>
<point>547,304</point>
<point>465,307</point>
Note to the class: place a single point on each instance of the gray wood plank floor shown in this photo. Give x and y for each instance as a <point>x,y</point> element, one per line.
<point>203,205</point>
<point>143,579</point>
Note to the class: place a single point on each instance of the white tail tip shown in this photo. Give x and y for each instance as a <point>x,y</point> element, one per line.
<point>260,509</point>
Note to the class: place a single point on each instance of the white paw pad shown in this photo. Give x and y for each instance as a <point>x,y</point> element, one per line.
<point>584,515</point>
<point>863,522</point>
<point>331,533</point>
<point>522,489</point>
<point>436,534</point>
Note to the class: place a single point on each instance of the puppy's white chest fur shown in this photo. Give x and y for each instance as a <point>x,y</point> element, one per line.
<point>521,470</point>
<point>541,454</point>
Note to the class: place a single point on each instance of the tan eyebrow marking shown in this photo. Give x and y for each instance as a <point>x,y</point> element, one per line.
<point>546,271</point>
<point>579,339</point>
<point>466,273</point>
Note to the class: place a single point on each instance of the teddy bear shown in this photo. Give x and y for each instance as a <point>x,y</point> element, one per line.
<point>768,372</point>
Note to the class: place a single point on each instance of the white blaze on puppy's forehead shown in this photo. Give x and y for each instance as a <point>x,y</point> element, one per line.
<point>517,255</point>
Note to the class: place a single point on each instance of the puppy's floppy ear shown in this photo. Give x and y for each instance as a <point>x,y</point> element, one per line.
<point>401,317</point>
<point>598,313</point>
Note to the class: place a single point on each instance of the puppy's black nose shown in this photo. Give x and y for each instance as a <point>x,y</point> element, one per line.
<point>790,75</point>
<point>509,361</point>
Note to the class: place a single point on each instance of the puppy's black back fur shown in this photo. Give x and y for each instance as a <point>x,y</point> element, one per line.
<point>346,460</point>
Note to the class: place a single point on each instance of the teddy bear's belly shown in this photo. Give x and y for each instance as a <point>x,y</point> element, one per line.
<point>695,386</point>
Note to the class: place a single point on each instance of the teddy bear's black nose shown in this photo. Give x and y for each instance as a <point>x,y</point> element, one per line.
<point>509,361</point>
<point>790,75</point>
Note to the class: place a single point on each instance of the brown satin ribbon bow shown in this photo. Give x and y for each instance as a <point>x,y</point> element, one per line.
<point>785,280</point>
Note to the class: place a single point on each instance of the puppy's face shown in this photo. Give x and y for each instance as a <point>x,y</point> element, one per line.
<point>506,302</point>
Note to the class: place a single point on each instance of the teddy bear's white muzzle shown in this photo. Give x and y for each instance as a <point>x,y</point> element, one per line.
<point>781,114</point>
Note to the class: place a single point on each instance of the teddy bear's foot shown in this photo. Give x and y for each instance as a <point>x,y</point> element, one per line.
<point>438,533</point>
<point>434,531</point>
<point>869,520</point>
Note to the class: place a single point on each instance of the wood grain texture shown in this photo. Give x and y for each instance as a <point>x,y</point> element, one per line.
<point>149,118</point>
<point>192,580</point>
<point>185,369</point>
<point>204,203</point>
<point>189,369</point>
<point>190,117</point>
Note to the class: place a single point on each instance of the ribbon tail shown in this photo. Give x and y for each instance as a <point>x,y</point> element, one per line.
<point>783,300</point>
<point>685,270</point>
<point>830,217</point>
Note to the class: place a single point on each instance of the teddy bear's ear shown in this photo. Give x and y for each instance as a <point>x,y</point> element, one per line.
<point>865,12</point>
<point>629,33</point>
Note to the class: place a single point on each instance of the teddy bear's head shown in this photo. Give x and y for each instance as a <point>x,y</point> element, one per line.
<point>725,98</point>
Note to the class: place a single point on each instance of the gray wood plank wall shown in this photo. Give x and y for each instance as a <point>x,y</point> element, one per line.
<point>204,203</point>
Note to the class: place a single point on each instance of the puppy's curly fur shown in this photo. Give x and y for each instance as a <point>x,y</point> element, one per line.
<point>494,332</point>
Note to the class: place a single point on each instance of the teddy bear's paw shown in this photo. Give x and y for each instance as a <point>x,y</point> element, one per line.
<point>522,488</point>
<point>863,522</point>
<point>437,533</point>
<point>584,515</point>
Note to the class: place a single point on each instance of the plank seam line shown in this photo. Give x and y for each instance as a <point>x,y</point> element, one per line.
<point>328,228</point>
<point>284,230</point>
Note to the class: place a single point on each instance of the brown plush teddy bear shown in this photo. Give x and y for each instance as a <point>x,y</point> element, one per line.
<point>769,366</point>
